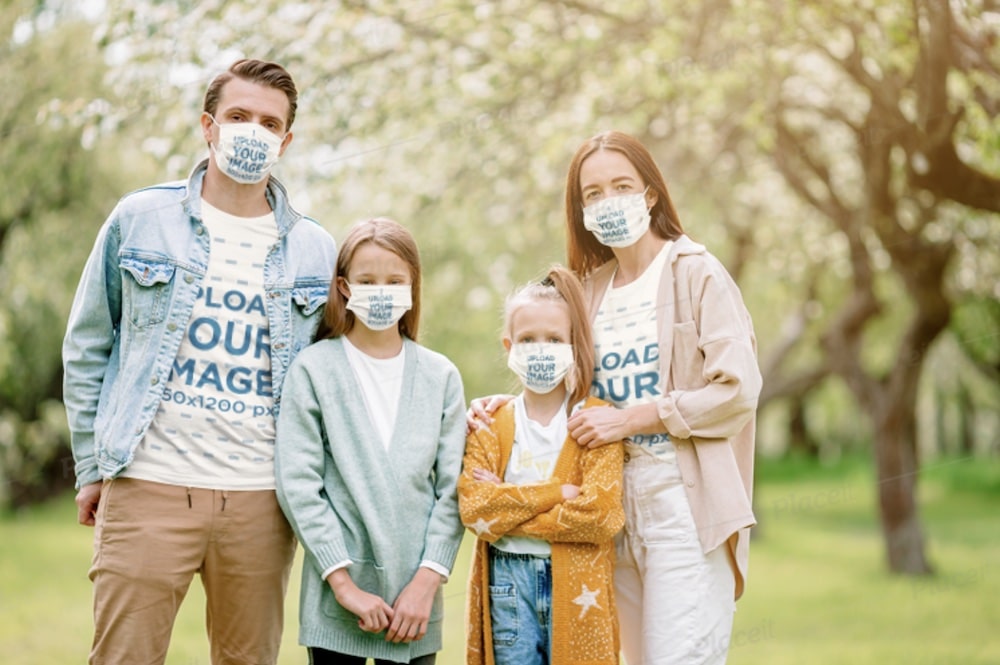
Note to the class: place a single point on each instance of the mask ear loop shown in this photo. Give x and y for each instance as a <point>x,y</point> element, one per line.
<point>644,193</point>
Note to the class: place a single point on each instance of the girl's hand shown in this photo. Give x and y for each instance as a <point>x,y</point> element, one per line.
<point>374,614</point>
<point>486,476</point>
<point>481,410</point>
<point>412,609</point>
<point>570,492</point>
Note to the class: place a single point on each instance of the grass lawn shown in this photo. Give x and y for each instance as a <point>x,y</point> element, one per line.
<point>818,591</point>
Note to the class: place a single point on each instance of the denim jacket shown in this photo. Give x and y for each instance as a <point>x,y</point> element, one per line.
<point>135,299</point>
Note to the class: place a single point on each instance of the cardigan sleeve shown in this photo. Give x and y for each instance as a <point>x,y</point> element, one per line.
<point>596,515</point>
<point>299,458</point>
<point>444,529</point>
<point>492,510</point>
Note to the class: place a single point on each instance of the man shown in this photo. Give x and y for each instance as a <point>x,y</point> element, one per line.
<point>195,299</point>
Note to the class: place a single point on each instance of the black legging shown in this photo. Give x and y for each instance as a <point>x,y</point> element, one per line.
<point>319,656</point>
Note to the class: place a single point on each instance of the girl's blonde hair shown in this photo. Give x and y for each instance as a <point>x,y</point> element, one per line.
<point>561,285</point>
<point>387,234</point>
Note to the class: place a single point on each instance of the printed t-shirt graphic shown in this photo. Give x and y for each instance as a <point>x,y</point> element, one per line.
<point>215,424</point>
<point>627,353</point>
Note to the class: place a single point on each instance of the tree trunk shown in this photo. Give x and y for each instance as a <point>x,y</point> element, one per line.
<point>966,420</point>
<point>896,463</point>
<point>940,414</point>
<point>800,440</point>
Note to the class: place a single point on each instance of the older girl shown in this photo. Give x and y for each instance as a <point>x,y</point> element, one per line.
<point>369,449</point>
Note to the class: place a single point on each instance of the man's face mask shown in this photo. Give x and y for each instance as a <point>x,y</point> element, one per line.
<point>246,151</point>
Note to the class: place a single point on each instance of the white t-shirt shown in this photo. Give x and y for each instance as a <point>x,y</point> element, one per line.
<point>532,459</point>
<point>381,381</point>
<point>214,428</point>
<point>628,353</point>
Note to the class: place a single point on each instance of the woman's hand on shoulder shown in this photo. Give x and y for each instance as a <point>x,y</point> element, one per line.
<point>481,410</point>
<point>601,425</point>
<point>598,426</point>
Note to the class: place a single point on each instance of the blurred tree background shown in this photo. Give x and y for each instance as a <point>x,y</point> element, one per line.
<point>840,157</point>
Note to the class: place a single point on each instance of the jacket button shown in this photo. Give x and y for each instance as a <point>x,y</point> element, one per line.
<point>154,380</point>
<point>171,327</point>
<point>690,483</point>
<point>188,278</point>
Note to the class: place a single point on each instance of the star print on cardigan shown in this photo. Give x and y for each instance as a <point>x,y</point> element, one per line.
<point>581,532</point>
<point>481,526</point>
<point>586,600</point>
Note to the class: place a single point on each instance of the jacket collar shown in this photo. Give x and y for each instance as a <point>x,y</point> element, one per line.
<point>285,215</point>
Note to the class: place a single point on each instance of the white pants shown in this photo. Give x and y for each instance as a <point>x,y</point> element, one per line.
<point>675,603</point>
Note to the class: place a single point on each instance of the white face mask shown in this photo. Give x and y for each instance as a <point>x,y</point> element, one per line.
<point>618,221</point>
<point>540,366</point>
<point>246,151</point>
<point>379,306</point>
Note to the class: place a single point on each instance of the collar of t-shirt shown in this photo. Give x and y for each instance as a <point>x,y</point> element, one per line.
<point>381,381</point>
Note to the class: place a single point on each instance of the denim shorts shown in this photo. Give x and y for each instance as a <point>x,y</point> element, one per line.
<point>520,608</point>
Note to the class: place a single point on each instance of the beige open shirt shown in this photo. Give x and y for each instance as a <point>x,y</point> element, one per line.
<point>708,363</point>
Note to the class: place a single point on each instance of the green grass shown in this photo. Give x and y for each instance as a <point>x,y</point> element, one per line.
<point>818,591</point>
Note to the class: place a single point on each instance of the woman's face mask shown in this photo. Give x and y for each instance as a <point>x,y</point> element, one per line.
<point>618,221</point>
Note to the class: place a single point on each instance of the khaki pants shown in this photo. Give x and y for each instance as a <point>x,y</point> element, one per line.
<point>149,541</point>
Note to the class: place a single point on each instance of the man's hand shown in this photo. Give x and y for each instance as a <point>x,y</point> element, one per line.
<point>87,500</point>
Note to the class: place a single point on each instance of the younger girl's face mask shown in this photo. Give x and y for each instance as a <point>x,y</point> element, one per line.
<point>541,366</point>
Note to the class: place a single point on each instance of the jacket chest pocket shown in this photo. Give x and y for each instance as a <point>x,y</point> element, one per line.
<point>307,308</point>
<point>146,287</point>
<point>688,358</point>
<point>308,299</point>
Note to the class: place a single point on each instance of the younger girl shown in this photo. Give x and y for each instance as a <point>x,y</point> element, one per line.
<point>545,509</point>
<point>368,452</point>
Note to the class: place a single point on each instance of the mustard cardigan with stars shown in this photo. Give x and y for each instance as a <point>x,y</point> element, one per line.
<point>581,531</point>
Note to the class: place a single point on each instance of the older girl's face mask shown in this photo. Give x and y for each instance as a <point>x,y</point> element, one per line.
<point>618,221</point>
<point>380,306</point>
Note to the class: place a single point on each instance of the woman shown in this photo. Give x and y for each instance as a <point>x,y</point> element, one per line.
<point>675,352</point>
